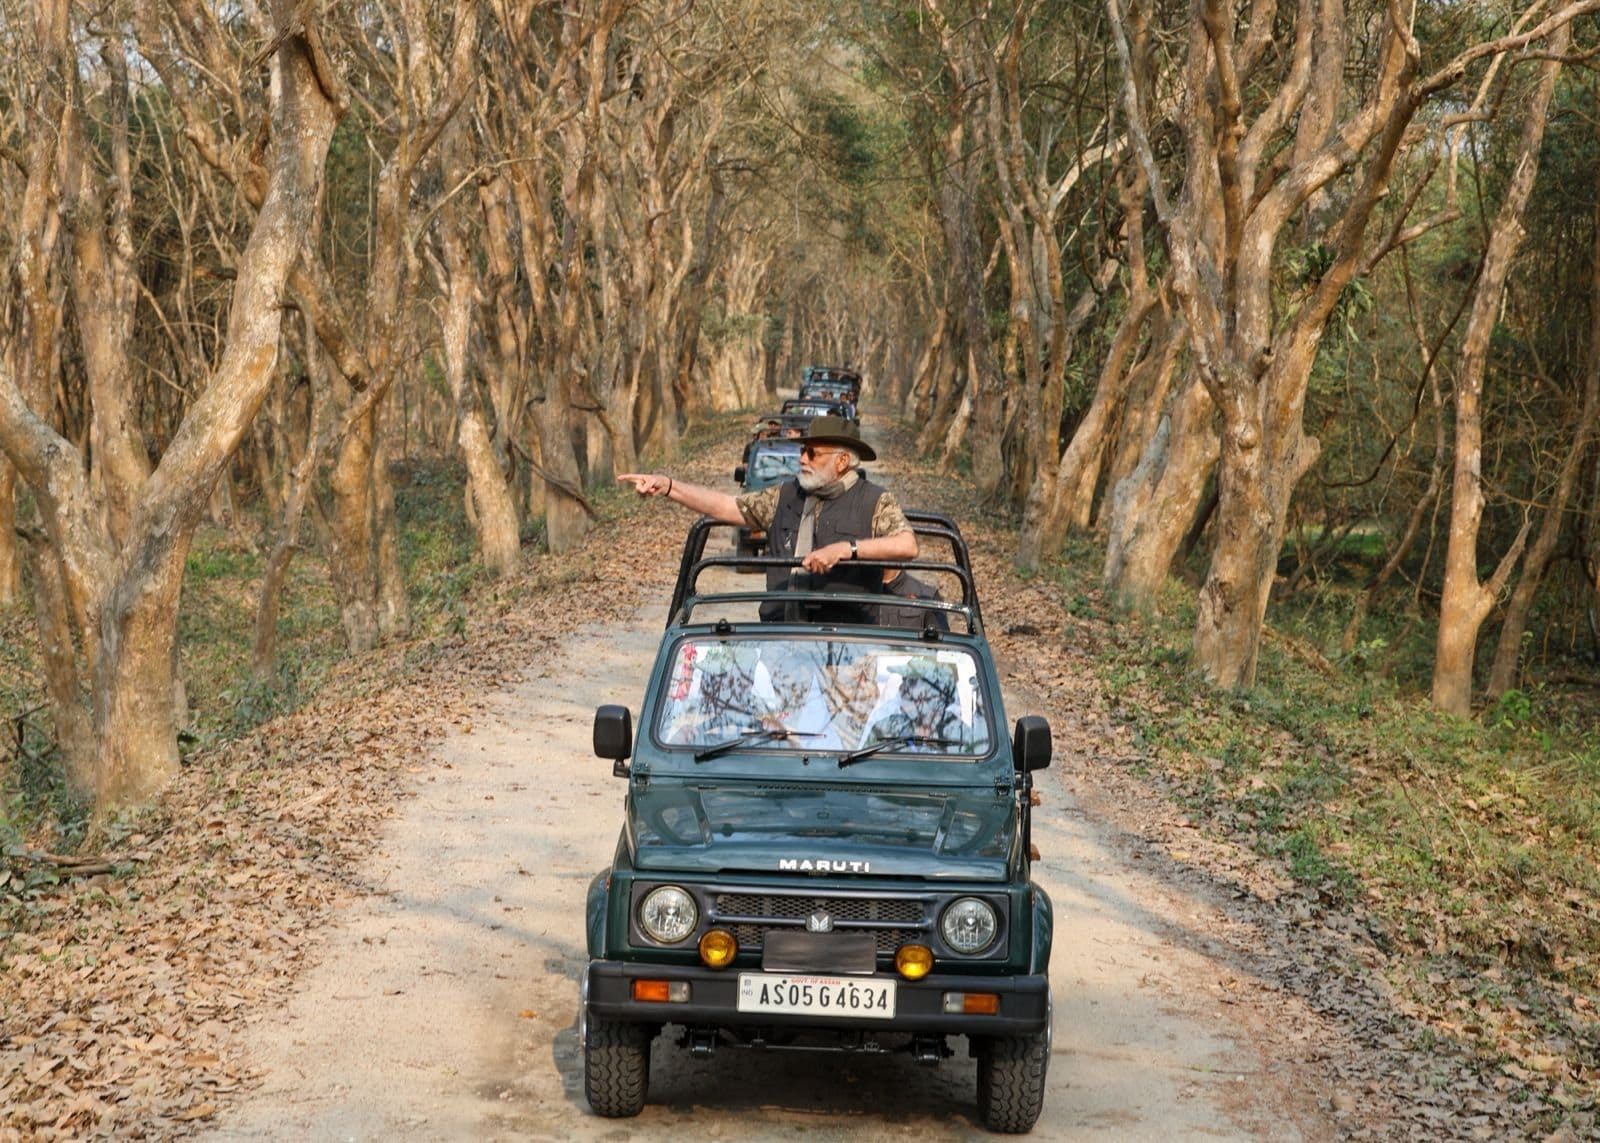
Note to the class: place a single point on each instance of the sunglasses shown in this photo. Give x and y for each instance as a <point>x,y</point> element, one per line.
<point>812,452</point>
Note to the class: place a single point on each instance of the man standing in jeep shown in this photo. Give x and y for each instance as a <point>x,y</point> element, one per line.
<point>828,515</point>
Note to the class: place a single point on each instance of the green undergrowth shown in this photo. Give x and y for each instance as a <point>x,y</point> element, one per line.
<point>216,635</point>
<point>445,582</point>
<point>1473,845</point>
<point>222,583</point>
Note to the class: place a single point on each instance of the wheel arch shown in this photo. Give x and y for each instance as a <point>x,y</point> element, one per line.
<point>1043,929</point>
<point>595,913</point>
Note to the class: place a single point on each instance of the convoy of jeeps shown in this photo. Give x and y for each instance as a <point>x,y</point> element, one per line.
<point>825,839</point>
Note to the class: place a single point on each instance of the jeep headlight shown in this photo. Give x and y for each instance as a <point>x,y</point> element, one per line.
<point>668,914</point>
<point>968,925</point>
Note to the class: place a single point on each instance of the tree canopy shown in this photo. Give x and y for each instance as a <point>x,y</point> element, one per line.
<point>1295,302</point>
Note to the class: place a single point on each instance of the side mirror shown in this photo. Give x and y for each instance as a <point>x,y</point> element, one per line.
<point>613,731</point>
<point>1030,743</point>
<point>738,475</point>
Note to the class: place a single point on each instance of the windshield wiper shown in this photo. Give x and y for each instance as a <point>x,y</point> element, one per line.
<point>765,734</point>
<point>866,752</point>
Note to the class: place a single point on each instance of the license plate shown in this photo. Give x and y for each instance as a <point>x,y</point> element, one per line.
<point>867,998</point>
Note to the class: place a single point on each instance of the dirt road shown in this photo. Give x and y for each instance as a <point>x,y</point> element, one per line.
<point>444,1005</point>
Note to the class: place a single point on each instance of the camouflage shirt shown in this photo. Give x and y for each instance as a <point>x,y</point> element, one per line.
<point>758,509</point>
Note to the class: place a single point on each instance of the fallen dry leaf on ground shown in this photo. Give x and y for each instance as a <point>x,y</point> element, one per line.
<point>119,994</point>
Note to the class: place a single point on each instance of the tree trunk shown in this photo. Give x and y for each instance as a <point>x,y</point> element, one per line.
<point>10,554</point>
<point>1466,602</point>
<point>945,402</point>
<point>1025,221</point>
<point>913,395</point>
<point>982,384</point>
<point>505,328</point>
<point>286,541</point>
<point>1057,490</point>
<point>135,686</point>
<point>130,597</point>
<point>1045,330</point>
<point>1151,510</point>
<point>1261,460</point>
<point>31,348</point>
<point>1149,389</point>
<point>736,367</point>
<point>104,290</point>
<point>1402,547</point>
<point>64,686</point>
<point>494,510</point>
<point>1222,235</point>
<point>359,534</point>
<point>428,96</point>
<point>363,496</point>
<point>956,432</point>
<point>958,199</point>
<point>1508,650</point>
<point>565,511</point>
<point>692,301</point>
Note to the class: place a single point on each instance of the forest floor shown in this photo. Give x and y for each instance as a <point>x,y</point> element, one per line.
<point>364,919</point>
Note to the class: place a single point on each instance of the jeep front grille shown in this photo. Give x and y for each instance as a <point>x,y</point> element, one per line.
<point>890,920</point>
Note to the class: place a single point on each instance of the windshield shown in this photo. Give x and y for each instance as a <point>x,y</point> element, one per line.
<point>772,464</point>
<point>809,695</point>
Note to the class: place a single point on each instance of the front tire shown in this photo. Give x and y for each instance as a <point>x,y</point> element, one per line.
<point>616,1066</point>
<point>1011,1071</point>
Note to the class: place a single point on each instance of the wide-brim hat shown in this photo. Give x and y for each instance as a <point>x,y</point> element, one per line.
<point>838,431</point>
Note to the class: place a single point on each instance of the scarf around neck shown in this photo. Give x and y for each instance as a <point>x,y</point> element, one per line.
<point>833,489</point>
<point>813,504</point>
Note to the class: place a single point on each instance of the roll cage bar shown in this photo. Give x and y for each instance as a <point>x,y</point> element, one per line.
<point>933,525</point>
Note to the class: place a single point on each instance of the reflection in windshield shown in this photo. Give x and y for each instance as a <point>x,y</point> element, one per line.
<point>772,465</point>
<point>833,695</point>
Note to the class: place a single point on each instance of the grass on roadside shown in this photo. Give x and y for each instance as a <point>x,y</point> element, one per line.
<point>1475,845</point>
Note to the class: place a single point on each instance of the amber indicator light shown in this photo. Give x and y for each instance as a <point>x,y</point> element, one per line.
<point>651,990</point>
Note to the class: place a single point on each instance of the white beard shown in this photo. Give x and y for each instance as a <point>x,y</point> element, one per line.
<point>813,480</point>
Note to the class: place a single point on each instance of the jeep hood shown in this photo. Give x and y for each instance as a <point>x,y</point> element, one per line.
<point>959,834</point>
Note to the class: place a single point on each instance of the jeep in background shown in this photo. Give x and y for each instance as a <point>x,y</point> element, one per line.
<point>819,407</point>
<point>837,377</point>
<point>825,841</point>
<point>767,461</point>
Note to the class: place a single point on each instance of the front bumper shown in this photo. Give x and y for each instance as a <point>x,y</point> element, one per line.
<point>1024,1002</point>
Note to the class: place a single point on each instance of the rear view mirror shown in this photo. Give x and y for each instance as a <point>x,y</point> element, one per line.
<point>1030,743</point>
<point>613,731</point>
<point>738,475</point>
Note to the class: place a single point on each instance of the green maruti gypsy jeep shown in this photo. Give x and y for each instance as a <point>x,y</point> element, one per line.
<point>826,845</point>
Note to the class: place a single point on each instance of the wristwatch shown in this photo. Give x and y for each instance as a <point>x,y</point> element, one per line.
<point>853,554</point>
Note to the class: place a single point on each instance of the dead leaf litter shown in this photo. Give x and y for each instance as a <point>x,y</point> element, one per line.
<point>124,992</point>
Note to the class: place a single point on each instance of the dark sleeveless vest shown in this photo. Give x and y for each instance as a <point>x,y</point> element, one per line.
<point>846,517</point>
<point>908,586</point>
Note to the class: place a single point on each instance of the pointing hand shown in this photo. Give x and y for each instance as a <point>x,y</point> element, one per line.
<point>647,484</point>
